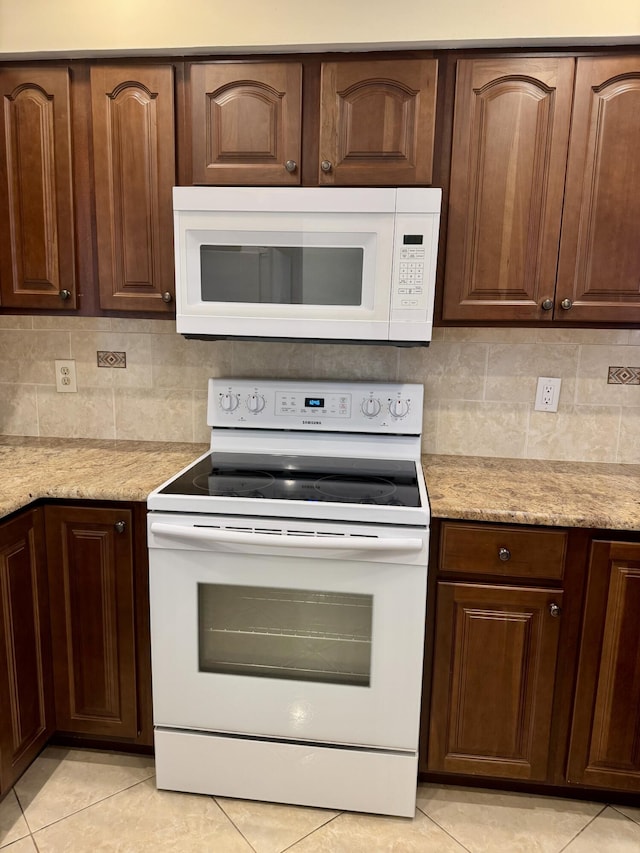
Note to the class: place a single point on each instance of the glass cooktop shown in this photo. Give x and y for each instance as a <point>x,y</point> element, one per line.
<point>385,482</point>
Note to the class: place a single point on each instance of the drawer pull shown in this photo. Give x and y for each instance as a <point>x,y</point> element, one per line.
<point>504,554</point>
<point>555,610</point>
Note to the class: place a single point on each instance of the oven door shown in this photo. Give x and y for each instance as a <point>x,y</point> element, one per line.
<point>298,630</point>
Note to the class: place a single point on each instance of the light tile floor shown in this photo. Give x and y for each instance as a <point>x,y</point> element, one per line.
<point>77,801</point>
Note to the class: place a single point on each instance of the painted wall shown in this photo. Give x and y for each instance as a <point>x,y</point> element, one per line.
<point>73,27</point>
<point>479,384</point>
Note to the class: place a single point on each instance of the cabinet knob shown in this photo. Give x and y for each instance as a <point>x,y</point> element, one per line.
<point>120,526</point>
<point>291,165</point>
<point>326,165</point>
<point>566,304</point>
<point>547,304</point>
<point>65,294</point>
<point>504,554</point>
<point>555,610</point>
<point>166,296</point>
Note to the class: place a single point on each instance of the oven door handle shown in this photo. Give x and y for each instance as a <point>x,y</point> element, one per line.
<point>275,540</point>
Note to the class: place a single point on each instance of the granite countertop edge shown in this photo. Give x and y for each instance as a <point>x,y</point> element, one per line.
<point>472,488</point>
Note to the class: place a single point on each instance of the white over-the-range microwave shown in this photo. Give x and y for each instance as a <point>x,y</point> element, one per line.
<point>306,263</point>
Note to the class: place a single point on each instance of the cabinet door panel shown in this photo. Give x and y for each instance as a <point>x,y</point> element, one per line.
<point>246,122</point>
<point>92,604</point>
<point>134,157</point>
<point>377,121</point>
<point>25,665</point>
<point>510,137</point>
<point>605,740</point>
<point>37,254</point>
<point>494,674</point>
<point>599,268</point>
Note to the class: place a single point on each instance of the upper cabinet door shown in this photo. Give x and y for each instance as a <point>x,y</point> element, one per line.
<point>599,267</point>
<point>134,164</point>
<point>377,122</point>
<point>510,136</point>
<point>246,122</point>
<point>37,253</point>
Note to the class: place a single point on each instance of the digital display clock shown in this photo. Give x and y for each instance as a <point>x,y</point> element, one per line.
<point>314,402</point>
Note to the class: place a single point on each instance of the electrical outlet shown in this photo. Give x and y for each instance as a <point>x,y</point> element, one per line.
<point>66,376</point>
<point>547,394</point>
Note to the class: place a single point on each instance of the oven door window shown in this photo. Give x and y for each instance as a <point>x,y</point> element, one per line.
<point>284,275</point>
<point>295,634</point>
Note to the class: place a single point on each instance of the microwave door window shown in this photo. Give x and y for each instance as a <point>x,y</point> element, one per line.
<point>284,275</point>
<point>331,276</point>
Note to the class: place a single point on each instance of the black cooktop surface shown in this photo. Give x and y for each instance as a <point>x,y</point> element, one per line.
<point>385,482</point>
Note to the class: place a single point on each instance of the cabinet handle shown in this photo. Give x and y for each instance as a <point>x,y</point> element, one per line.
<point>120,526</point>
<point>326,165</point>
<point>547,304</point>
<point>65,294</point>
<point>566,304</point>
<point>504,554</point>
<point>555,610</point>
<point>166,296</point>
<point>291,165</point>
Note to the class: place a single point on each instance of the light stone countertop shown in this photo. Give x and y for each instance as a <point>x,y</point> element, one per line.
<point>32,468</point>
<point>522,491</point>
<point>528,491</point>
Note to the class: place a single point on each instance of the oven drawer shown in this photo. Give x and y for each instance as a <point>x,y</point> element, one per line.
<point>503,550</point>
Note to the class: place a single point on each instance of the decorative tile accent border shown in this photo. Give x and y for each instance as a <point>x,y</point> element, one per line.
<point>111,359</point>
<point>624,376</point>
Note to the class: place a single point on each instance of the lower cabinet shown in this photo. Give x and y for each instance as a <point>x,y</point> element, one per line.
<point>99,623</point>
<point>26,694</point>
<point>494,673</point>
<point>605,736</point>
<point>536,657</point>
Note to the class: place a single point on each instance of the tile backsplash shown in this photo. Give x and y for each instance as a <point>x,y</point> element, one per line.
<point>480,384</point>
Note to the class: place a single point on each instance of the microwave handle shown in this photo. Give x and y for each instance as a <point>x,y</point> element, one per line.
<point>234,537</point>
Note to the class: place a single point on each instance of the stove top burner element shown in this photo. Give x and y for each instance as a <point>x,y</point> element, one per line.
<point>338,487</point>
<point>251,485</point>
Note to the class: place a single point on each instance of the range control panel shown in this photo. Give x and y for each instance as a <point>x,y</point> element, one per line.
<point>316,405</point>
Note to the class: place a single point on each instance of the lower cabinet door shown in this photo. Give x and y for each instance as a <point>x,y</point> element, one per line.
<point>91,585</point>
<point>605,737</point>
<point>493,680</point>
<point>26,694</point>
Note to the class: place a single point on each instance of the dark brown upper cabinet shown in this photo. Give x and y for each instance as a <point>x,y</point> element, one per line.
<point>246,122</point>
<point>37,251</point>
<point>545,164</point>
<point>377,122</point>
<point>369,123</point>
<point>509,152</point>
<point>599,267</point>
<point>133,131</point>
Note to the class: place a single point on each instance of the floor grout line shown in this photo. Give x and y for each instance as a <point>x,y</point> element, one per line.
<point>603,809</point>
<point>33,832</point>
<point>233,824</point>
<point>446,831</point>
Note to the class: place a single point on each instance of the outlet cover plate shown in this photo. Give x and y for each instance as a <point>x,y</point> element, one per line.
<point>547,394</point>
<point>66,376</point>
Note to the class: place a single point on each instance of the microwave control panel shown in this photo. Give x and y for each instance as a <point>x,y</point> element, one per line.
<point>415,252</point>
<point>316,405</point>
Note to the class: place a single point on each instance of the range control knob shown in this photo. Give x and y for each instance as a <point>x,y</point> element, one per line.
<point>371,407</point>
<point>255,403</point>
<point>229,402</point>
<point>399,408</point>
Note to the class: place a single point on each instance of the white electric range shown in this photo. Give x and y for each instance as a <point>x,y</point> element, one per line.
<point>288,570</point>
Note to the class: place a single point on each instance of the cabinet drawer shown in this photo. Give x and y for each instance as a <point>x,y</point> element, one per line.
<point>503,550</point>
